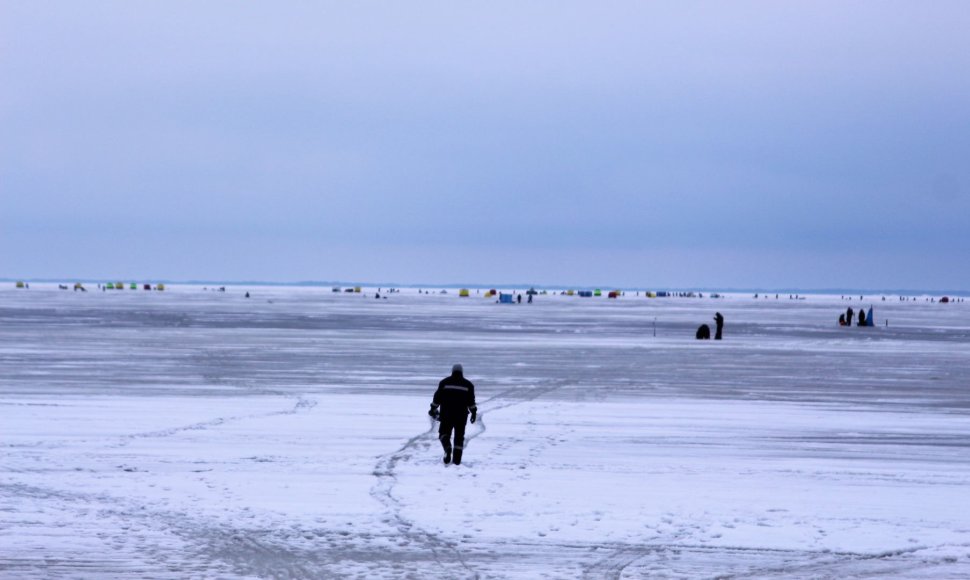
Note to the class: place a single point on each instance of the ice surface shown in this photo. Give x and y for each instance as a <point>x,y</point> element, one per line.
<point>197,434</point>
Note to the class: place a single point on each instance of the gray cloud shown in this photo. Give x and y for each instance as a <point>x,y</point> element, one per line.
<point>558,141</point>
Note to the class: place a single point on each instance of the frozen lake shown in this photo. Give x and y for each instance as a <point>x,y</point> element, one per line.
<point>191,433</point>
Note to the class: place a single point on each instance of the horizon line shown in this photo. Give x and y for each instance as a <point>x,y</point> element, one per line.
<point>343,283</point>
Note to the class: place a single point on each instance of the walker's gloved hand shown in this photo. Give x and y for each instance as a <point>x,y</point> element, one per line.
<point>433,411</point>
<point>474,415</point>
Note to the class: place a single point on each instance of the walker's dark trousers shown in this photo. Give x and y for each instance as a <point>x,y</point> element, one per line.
<point>444,433</point>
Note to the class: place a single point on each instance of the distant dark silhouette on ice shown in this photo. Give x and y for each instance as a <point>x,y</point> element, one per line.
<point>703,332</point>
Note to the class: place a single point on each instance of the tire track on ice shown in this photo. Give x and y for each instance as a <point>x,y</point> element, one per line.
<point>210,550</point>
<point>810,563</point>
<point>302,404</point>
<point>901,561</point>
<point>383,492</point>
<point>527,396</point>
<point>623,555</point>
<point>214,545</point>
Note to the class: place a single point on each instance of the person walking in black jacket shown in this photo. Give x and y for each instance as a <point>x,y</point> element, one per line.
<point>719,320</point>
<point>452,402</point>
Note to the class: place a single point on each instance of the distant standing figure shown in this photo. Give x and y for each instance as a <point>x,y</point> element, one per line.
<point>530,298</point>
<point>452,402</point>
<point>848,316</point>
<point>862,317</point>
<point>719,321</point>
<point>247,294</point>
<point>703,332</point>
<point>519,298</point>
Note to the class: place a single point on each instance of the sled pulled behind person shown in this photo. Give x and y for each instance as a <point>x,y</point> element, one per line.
<point>452,403</point>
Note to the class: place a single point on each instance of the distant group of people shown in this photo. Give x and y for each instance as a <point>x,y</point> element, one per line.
<point>704,331</point>
<point>790,296</point>
<point>864,320</point>
<point>766,296</point>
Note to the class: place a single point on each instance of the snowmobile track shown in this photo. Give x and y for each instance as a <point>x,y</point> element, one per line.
<point>445,553</point>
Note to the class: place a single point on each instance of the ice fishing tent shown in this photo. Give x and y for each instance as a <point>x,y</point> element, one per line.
<point>651,294</point>
<point>146,287</point>
<point>160,287</point>
<point>613,294</point>
<point>869,320</point>
<point>505,298</point>
<point>597,292</point>
<point>134,286</point>
<point>570,293</point>
<point>531,292</point>
<point>20,284</point>
<point>585,294</point>
<point>357,289</point>
<point>464,293</point>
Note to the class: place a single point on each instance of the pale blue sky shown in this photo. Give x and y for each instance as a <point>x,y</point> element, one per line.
<point>725,144</point>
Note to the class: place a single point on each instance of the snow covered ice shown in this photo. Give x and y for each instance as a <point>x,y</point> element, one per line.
<point>196,434</point>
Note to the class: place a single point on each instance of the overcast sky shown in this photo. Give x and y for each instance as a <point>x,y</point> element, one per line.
<point>771,144</point>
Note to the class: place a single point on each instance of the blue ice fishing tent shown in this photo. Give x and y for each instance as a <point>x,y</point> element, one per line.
<point>505,298</point>
<point>869,320</point>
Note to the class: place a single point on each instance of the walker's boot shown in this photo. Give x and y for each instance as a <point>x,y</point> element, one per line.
<point>446,445</point>
<point>457,455</point>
